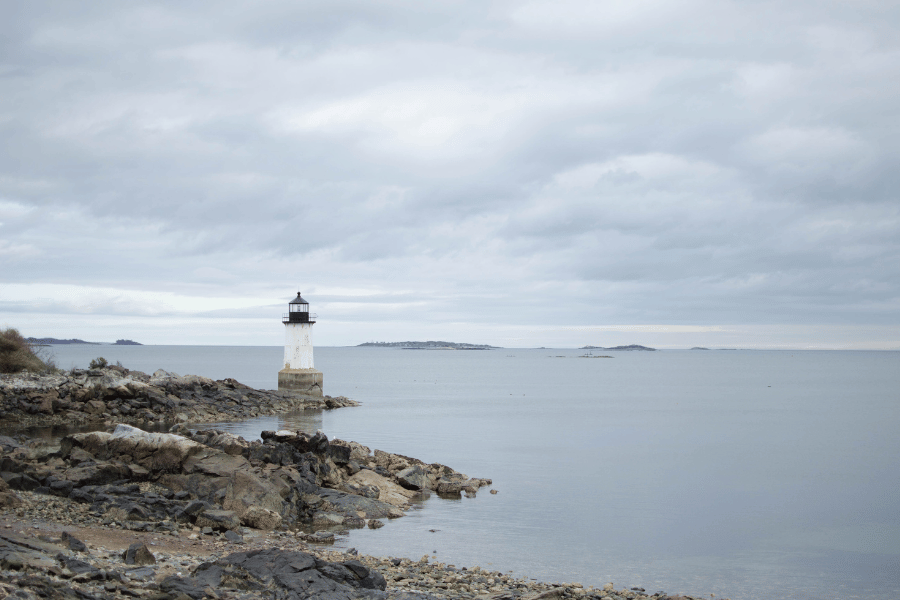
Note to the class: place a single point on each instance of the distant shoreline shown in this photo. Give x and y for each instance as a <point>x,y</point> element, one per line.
<point>49,341</point>
<point>429,345</point>
<point>629,348</point>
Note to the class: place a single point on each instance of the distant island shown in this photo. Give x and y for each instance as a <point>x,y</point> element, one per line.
<point>630,347</point>
<point>56,342</point>
<point>49,341</point>
<point>430,345</point>
<point>699,348</point>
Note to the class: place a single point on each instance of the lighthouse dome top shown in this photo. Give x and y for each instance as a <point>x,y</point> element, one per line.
<point>298,300</point>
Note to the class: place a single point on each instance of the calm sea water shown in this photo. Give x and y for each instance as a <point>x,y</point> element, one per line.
<point>743,474</point>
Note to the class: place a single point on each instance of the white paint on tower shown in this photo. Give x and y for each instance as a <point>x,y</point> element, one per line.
<point>298,350</point>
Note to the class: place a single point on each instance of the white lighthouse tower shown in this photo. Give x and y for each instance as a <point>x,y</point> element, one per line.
<point>299,374</point>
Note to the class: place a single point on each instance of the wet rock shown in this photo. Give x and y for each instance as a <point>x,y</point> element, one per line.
<point>449,488</point>
<point>327,519</point>
<point>320,537</point>
<point>353,504</point>
<point>414,478</point>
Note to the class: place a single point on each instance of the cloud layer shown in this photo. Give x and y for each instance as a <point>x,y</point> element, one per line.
<point>456,169</point>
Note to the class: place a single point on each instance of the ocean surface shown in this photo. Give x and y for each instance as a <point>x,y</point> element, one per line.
<point>738,474</point>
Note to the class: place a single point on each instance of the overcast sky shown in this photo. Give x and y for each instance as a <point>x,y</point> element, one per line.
<point>668,173</point>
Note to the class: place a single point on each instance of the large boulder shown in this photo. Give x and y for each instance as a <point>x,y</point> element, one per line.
<point>389,491</point>
<point>157,452</point>
<point>415,478</point>
<point>359,506</point>
<point>246,489</point>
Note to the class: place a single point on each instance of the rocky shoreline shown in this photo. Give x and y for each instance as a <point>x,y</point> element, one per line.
<point>114,395</point>
<point>125,513</point>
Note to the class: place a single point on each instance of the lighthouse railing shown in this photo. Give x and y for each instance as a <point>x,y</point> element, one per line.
<point>295,317</point>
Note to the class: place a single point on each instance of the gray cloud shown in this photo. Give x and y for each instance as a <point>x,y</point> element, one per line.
<point>649,161</point>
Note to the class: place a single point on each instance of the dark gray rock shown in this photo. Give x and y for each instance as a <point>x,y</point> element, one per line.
<point>339,452</point>
<point>18,552</point>
<point>194,508</point>
<point>141,573</point>
<point>414,478</point>
<point>72,542</point>
<point>81,568</point>
<point>138,554</point>
<point>20,481</point>
<point>176,586</point>
<point>449,488</point>
<point>61,488</point>
<point>351,504</point>
<point>233,536</point>
<point>275,573</point>
<point>220,520</point>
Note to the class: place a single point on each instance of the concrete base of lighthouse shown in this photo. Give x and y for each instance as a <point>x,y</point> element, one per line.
<point>302,381</point>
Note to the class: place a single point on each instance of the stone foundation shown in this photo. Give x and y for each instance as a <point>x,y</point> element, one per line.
<point>303,381</point>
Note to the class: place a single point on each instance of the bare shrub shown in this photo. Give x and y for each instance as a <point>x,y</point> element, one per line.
<point>16,354</point>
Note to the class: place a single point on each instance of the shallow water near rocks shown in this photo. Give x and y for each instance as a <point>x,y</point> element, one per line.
<point>744,474</point>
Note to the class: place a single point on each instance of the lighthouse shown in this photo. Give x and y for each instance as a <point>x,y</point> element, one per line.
<point>299,375</point>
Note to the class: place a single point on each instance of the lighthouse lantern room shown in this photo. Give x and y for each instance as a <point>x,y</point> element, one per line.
<point>299,374</point>
<point>298,311</point>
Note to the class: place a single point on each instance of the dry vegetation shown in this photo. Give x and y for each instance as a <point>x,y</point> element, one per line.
<point>16,354</point>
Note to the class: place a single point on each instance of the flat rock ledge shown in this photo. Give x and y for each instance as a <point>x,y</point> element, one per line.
<point>221,482</point>
<point>116,395</point>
